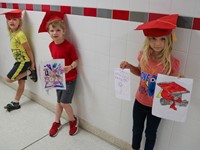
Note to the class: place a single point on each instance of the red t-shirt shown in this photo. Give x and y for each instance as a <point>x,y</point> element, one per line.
<point>148,78</point>
<point>67,52</point>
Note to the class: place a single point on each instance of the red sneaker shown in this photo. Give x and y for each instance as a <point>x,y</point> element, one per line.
<point>54,129</point>
<point>73,126</point>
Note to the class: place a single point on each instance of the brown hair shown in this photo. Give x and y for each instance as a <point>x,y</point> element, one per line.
<point>57,23</point>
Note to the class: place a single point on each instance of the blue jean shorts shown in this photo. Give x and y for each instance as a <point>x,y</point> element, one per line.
<point>65,96</point>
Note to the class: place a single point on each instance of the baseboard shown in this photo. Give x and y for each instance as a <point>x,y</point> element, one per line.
<point>83,124</point>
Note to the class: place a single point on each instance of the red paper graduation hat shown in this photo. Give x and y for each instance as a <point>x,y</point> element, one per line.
<point>49,17</point>
<point>13,14</point>
<point>172,87</point>
<point>159,27</point>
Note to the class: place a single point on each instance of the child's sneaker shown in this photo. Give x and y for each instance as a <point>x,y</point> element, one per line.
<point>73,126</point>
<point>12,106</point>
<point>54,129</point>
<point>33,75</point>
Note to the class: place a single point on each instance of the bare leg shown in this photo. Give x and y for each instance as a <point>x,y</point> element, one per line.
<point>59,110</point>
<point>21,75</point>
<point>69,111</point>
<point>20,90</point>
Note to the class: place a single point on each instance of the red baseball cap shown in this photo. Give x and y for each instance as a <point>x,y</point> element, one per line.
<point>159,27</point>
<point>50,16</point>
<point>13,14</point>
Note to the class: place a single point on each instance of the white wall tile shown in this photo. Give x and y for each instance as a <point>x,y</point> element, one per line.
<point>184,7</point>
<point>102,62</point>
<point>139,5</point>
<point>29,1</point>
<point>106,4</point>
<point>86,82</point>
<point>101,78</point>
<point>183,39</point>
<point>195,36</point>
<point>89,25</point>
<point>75,23</point>
<point>187,132</point>
<point>90,3</point>
<point>164,134</point>
<point>119,29</point>
<point>102,45</point>
<point>103,27</point>
<point>118,48</point>
<point>160,6</point>
<point>77,3</point>
<point>195,91</point>
<point>197,10</point>
<point>87,58</point>
<point>122,5</point>
<point>192,66</point>
<point>182,57</point>
<point>126,121</point>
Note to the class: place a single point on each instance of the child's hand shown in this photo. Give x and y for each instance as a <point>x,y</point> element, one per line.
<point>66,69</point>
<point>32,67</point>
<point>124,64</point>
<point>180,76</point>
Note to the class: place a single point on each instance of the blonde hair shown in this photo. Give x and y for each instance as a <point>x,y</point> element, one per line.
<point>57,23</point>
<point>19,27</point>
<point>165,56</point>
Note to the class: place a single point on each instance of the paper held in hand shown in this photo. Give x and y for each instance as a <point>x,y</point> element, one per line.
<point>172,97</point>
<point>52,75</point>
<point>122,83</point>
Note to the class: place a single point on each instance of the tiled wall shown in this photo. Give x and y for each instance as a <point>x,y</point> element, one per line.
<point>127,15</point>
<point>103,33</point>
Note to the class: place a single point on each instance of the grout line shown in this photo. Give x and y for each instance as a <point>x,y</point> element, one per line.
<point>35,141</point>
<point>119,14</point>
<point>83,124</point>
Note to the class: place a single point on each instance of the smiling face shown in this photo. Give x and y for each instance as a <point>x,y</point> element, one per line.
<point>14,24</point>
<point>157,43</point>
<point>56,33</point>
<point>56,30</point>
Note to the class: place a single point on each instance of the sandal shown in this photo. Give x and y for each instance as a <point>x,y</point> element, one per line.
<point>33,75</point>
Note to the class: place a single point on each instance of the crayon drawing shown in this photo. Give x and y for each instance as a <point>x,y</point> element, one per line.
<point>172,97</point>
<point>122,83</point>
<point>52,75</point>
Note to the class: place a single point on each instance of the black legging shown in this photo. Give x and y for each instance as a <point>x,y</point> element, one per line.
<point>140,113</point>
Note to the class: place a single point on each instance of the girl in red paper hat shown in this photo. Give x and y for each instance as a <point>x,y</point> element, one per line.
<point>23,56</point>
<point>155,58</point>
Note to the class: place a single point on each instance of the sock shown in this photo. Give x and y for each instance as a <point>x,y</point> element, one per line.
<point>28,72</point>
<point>15,101</point>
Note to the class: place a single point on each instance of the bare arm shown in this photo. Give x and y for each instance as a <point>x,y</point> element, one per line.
<point>73,65</point>
<point>135,70</point>
<point>30,54</point>
<point>177,74</point>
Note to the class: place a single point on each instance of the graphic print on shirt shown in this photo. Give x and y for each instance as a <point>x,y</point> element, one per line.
<point>18,55</point>
<point>147,84</point>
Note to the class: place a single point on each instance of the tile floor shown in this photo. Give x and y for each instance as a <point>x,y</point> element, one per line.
<point>27,128</point>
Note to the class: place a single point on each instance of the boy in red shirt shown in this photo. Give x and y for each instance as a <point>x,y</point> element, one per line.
<point>60,48</point>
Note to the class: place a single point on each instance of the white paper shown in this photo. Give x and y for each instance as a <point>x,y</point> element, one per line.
<point>172,109</point>
<point>122,83</point>
<point>51,74</point>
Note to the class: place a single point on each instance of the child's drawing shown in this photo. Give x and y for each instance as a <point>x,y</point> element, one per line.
<point>172,97</point>
<point>122,83</point>
<point>171,94</point>
<point>52,75</point>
